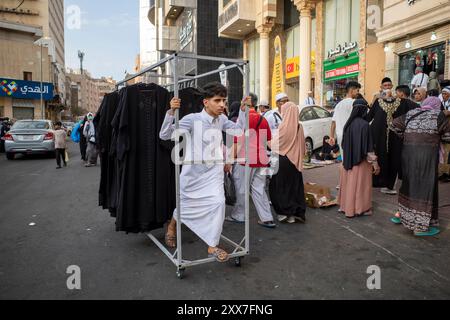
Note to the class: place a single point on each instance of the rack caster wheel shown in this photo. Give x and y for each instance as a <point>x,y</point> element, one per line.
<point>180,273</point>
<point>237,262</point>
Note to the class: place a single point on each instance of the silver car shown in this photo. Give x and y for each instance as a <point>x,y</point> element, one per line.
<point>30,137</point>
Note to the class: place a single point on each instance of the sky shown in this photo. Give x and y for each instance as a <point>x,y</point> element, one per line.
<point>108,34</point>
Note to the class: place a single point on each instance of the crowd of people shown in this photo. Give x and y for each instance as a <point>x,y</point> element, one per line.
<point>396,137</point>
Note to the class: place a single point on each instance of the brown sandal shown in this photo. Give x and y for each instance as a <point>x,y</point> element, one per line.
<point>220,255</point>
<point>171,240</point>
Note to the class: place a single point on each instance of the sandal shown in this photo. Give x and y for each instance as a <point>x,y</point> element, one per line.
<point>171,240</point>
<point>397,219</point>
<point>430,233</point>
<point>220,255</point>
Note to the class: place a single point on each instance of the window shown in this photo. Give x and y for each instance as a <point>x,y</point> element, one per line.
<point>341,22</point>
<point>322,113</point>
<point>307,115</point>
<point>291,14</point>
<point>27,76</point>
<point>254,58</point>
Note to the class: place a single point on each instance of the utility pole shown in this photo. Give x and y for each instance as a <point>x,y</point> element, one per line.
<point>81,57</point>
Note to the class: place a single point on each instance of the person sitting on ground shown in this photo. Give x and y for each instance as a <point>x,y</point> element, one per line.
<point>328,151</point>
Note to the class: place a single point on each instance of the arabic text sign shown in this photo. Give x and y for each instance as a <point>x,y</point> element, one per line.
<point>341,67</point>
<point>19,89</point>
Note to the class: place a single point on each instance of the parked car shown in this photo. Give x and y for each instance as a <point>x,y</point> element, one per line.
<point>30,137</point>
<point>316,122</point>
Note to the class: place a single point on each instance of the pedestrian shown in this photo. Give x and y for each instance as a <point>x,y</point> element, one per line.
<point>260,135</point>
<point>420,94</point>
<point>386,85</point>
<point>421,130</point>
<point>388,147</point>
<point>286,186</point>
<point>89,134</point>
<point>83,140</point>
<point>310,100</point>
<point>281,99</point>
<point>433,83</point>
<point>404,92</point>
<point>342,112</point>
<point>444,166</point>
<point>420,80</point>
<point>234,111</point>
<point>272,116</point>
<point>202,196</point>
<point>360,161</point>
<point>59,136</point>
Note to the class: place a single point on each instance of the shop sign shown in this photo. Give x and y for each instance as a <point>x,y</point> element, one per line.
<point>342,49</point>
<point>293,66</point>
<point>342,67</point>
<point>186,30</point>
<point>19,89</point>
<point>278,76</point>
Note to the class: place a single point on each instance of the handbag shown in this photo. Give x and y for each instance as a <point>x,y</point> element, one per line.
<point>230,190</point>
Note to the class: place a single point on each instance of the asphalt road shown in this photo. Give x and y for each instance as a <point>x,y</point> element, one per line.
<point>327,258</point>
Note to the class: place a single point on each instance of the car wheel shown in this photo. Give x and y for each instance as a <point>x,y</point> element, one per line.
<point>10,156</point>
<point>309,148</point>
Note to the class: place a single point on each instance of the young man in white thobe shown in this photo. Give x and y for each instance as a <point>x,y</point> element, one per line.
<point>202,196</point>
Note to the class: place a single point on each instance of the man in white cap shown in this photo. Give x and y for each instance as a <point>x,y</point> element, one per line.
<point>310,100</point>
<point>444,168</point>
<point>281,99</point>
<point>445,98</point>
<point>272,116</point>
<point>420,79</point>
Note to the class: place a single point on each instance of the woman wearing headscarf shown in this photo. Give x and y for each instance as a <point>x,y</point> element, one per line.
<point>286,187</point>
<point>421,130</point>
<point>355,193</point>
<point>420,94</point>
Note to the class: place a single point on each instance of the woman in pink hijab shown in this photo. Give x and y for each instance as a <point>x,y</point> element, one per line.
<point>286,187</point>
<point>421,130</point>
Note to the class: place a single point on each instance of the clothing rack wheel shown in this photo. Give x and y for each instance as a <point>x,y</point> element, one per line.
<point>238,262</point>
<point>180,273</point>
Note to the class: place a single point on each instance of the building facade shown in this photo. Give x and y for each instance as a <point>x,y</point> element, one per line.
<point>48,17</point>
<point>416,33</point>
<point>191,26</point>
<point>147,33</point>
<point>323,45</point>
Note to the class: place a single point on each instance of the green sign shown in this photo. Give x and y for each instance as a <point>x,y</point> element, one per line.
<point>342,67</point>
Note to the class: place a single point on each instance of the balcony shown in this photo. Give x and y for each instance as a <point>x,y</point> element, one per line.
<point>236,18</point>
<point>167,40</point>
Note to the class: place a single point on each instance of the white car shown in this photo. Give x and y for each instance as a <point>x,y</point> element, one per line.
<point>316,122</point>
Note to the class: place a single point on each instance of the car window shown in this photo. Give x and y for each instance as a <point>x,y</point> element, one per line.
<point>31,125</point>
<point>322,113</point>
<point>307,115</point>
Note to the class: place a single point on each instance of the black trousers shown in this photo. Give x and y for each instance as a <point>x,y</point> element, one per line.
<point>60,153</point>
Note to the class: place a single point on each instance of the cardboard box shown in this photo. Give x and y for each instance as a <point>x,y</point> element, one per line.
<point>318,196</point>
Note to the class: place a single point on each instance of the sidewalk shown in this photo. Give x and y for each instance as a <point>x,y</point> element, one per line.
<point>329,176</point>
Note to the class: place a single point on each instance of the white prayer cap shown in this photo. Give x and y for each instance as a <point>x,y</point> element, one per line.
<point>446,89</point>
<point>264,104</point>
<point>281,96</point>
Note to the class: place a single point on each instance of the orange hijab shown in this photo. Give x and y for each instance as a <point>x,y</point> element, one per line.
<point>290,140</point>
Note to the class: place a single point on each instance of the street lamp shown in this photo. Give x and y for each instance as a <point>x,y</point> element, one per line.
<point>47,41</point>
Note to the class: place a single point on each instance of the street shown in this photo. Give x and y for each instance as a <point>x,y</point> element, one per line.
<point>327,258</point>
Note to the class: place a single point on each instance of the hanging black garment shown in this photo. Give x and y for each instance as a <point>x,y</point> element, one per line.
<point>387,145</point>
<point>107,193</point>
<point>145,200</point>
<point>357,141</point>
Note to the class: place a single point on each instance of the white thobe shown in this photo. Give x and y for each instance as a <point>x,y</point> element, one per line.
<point>202,197</point>
<point>420,80</point>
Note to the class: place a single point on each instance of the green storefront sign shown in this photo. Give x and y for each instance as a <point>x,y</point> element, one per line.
<point>342,67</point>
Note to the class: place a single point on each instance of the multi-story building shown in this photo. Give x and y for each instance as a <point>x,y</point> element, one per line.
<point>147,31</point>
<point>48,16</point>
<point>86,92</point>
<point>324,44</point>
<point>191,26</point>
<point>416,33</point>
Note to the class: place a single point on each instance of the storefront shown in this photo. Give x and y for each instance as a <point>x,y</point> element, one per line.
<point>430,59</point>
<point>337,73</point>
<point>21,99</point>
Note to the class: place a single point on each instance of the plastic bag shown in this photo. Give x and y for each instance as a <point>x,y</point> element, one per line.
<point>66,157</point>
<point>75,136</point>
<point>230,191</point>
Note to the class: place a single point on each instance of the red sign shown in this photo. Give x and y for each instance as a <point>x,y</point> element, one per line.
<point>342,71</point>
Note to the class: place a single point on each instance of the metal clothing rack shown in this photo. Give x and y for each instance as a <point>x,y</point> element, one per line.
<point>242,248</point>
